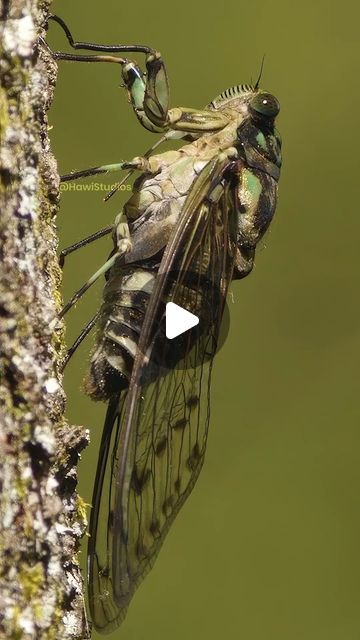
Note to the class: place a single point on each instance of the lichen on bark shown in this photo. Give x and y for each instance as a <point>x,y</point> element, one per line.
<point>41,591</point>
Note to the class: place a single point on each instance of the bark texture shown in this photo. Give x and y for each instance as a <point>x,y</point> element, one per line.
<point>41,518</point>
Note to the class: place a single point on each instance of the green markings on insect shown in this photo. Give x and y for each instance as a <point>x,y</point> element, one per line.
<point>190,227</point>
<point>252,184</point>
<point>261,140</point>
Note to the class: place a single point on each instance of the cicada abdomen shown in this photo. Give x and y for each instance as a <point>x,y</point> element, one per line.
<point>125,299</point>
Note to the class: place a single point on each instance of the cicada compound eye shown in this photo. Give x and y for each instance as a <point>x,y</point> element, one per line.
<point>265,105</point>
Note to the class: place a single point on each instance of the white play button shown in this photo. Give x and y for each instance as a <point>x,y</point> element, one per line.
<point>178,320</point>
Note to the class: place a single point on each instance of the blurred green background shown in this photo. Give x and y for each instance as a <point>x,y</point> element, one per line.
<point>267,546</point>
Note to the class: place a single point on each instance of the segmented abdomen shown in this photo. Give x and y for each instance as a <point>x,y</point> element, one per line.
<point>125,299</point>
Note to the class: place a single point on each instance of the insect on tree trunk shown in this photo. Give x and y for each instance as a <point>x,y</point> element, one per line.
<point>41,520</point>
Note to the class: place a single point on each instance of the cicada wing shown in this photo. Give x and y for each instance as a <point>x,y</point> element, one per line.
<point>161,429</point>
<point>104,612</point>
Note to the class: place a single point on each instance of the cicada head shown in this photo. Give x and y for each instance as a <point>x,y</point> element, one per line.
<point>257,136</point>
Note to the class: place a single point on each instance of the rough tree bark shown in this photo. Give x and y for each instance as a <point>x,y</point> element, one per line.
<point>41,518</point>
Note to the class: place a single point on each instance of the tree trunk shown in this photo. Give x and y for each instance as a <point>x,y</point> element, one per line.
<point>41,517</point>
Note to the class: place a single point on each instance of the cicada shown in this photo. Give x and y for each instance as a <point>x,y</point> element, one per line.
<point>190,227</point>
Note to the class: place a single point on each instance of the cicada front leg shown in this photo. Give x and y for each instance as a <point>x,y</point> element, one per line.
<point>148,94</point>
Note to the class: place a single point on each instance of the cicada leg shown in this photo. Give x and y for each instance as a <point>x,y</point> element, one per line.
<point>80,292</point>
<point>85,332</point>
<point>82,243</point>
<point>122,244</point>
<point>140,163</point>
<point>149,95</point>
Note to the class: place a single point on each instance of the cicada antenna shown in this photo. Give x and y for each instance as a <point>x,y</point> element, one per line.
<point>260,74</point>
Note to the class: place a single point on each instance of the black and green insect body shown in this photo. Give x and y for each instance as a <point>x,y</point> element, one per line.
<point>190,227</point>
<point>155,208</point>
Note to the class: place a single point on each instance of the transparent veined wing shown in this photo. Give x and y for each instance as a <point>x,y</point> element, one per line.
<point>155,434</point>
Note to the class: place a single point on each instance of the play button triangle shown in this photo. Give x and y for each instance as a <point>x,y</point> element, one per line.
<point>178,320</point>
